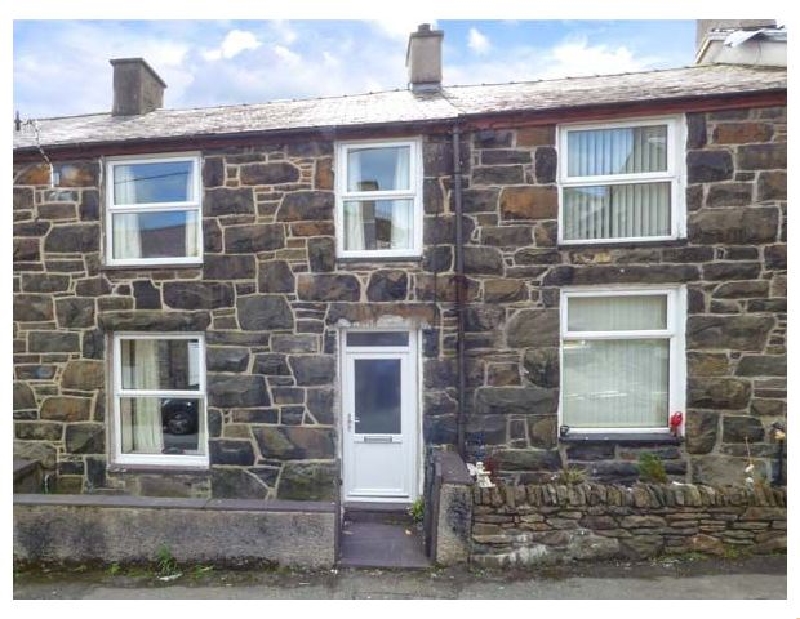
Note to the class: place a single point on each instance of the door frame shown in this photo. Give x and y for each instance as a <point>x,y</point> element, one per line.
<point>416,434</point>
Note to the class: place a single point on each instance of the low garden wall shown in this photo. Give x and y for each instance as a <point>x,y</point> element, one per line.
<point>536,524</point>
<point>116,528</point>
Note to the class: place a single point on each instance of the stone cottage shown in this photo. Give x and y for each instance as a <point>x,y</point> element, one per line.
<point>302,299</point>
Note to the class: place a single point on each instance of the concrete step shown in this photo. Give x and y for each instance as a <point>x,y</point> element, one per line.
<point>366,544</point>
<point>378,513</point>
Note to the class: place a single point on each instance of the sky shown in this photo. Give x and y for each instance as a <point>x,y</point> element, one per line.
<point>60,67</point>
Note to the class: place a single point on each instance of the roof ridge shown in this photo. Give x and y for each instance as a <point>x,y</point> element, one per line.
<point>226,106</point>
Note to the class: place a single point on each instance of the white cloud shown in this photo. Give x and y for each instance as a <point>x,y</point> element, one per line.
<point>62,67</point>
<point>478,42</point>
<point>579,58</point>
<point>234,43</point>
<point>284,31</point>
<point>287,55</point>
<point>566,59</point>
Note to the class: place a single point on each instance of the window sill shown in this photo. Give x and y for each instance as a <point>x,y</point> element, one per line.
<point>643,244</point>
<point>152,267</point>
<point>167,469</point>
<point>367,259</point>
<point>662,438</point>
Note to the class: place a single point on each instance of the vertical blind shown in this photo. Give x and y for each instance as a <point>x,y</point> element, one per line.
<point>618,210</point>
<point>619,381</point>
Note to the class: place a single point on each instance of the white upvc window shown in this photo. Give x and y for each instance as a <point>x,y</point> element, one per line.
<point>379,199</point>
<point>154,213</point>
<point>160,399</point>
<point>622,181</point>
<point>623,363</point>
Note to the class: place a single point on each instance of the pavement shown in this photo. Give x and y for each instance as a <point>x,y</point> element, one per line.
<point>755,578</point>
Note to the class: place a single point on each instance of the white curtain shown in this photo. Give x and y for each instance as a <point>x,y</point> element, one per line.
<point>141,425</point>
<point>353,210</point>
<point>125,226</point>
<point>616,382</point>
<point>192,223</point>
<point>401,209</point>
<point>614,211</point>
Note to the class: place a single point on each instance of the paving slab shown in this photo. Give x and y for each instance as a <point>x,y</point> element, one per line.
<point>369,544</point>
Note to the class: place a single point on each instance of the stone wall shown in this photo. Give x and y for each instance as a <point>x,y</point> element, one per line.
<point>50,528</point>
<point>271,293</point>
<point>733,264</point>
<point>269,297</point>
<point>534,524</point>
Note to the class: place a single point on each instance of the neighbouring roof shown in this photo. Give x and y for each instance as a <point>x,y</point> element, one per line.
<point>402,106</point>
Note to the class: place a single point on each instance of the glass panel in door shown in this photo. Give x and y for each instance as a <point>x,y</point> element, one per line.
<point>377,396</point>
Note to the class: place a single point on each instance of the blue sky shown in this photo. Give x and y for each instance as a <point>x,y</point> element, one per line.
<point>60,67</point>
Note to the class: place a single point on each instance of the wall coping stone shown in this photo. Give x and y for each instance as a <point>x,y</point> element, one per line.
<point>22,467</point>
<point>639,495</point>
<point>452,469</point>
<point>144,502</point>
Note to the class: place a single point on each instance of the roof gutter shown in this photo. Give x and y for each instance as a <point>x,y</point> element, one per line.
<point>533,116</point>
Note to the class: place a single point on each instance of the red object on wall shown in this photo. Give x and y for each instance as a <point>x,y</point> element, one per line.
<point>675,422</point>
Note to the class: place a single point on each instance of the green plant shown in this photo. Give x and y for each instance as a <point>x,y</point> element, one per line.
<point>569,475</point>
<point>165,562</point>
<point>651,468</point>
<point>113,569</point>
<point>417,510</point>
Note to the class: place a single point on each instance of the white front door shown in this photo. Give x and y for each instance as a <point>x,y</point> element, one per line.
<point>379,398</point>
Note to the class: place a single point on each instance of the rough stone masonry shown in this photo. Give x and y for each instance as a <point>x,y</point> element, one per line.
<point>270,294</point>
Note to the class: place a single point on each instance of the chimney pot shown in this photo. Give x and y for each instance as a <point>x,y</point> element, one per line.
<point>424,59</point>
<point>137,87</point>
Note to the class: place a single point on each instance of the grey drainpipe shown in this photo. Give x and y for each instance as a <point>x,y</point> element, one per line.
<point>460,294</point>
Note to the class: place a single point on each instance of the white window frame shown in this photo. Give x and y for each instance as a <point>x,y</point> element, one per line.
<point>675,174</point>
<point>176,460</point>
<point>414,193</point>
<point>112,209</point>
<point>675,332</point>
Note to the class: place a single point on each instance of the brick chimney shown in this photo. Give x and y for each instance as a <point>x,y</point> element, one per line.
<point>424,59</point>
<point>137,87</point>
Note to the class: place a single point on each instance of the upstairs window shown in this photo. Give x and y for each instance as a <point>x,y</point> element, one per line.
<point>621,182</point>
<point>378,199</point>
<point>154,211</point>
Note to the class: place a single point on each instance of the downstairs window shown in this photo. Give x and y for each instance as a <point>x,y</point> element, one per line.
<point>622,359</point>
<point>159,399</point>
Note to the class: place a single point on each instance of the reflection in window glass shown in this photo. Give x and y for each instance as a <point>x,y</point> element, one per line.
<point>156,425</point>
<point>377,338</point>
<point>377,396</point>
<point>146,183</point>
<point>160,364</point>
<point>378,224</point>
<point>378,168</point>
<point>158,234</point>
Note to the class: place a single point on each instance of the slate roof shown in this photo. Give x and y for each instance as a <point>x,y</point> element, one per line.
<point>399,106</point>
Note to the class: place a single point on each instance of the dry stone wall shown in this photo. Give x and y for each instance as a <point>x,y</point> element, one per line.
<point>271,293</point>
<point>535,524</point>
